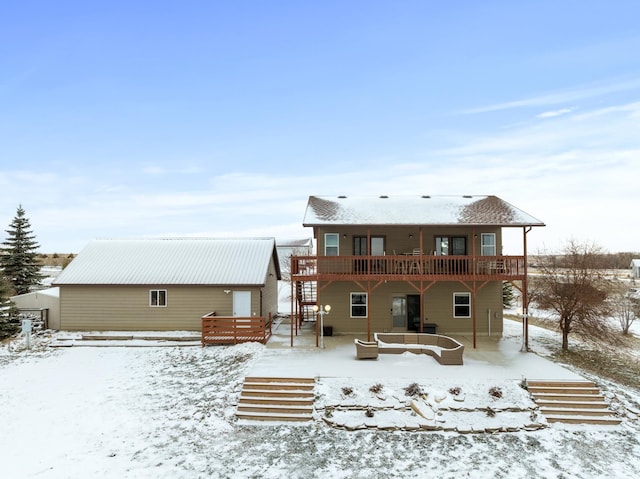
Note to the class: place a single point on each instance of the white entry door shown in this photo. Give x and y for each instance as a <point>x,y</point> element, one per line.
<point>242,304</point>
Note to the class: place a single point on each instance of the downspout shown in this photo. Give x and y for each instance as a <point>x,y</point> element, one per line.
<point>368,310</point>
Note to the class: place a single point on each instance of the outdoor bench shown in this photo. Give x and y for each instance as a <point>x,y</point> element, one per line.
<point>444,349</point>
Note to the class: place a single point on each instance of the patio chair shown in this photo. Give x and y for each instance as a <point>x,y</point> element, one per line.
<point>416,264</point>
<point>366,349</point>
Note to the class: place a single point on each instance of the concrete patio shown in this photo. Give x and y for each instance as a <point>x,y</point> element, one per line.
<point>494,358</point>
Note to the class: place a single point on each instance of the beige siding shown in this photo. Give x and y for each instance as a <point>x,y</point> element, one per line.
<point>437,305</point>
<point>126,308</point>
<point>270,291</point>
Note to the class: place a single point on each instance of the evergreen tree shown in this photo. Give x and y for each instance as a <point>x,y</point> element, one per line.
<point>507,294</point>
<point>9,324</point>
<point>18,257</point>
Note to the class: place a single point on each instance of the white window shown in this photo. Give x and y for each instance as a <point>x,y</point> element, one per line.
<point>331,242</point>
<point>461,305</point>
<point>358,305</point>
<point>488,244</point>
<point>158,298</point>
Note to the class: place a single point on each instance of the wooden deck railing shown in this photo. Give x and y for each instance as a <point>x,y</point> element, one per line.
<point>408,267</point>
<point>234,330</point>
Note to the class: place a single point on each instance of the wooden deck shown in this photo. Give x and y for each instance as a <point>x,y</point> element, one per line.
<point>234,330</point>
<point>408,268</point>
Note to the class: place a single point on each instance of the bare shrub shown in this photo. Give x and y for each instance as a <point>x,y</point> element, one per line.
<point>413,390</point>
<point>495,392</point>
<point>376,388</point>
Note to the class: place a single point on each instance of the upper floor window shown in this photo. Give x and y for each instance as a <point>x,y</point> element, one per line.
<point>360,245</point>
<point>488,244</point>
<point>157,297</point>
<point>331,244</point>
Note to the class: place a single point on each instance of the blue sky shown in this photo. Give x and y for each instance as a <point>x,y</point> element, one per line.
<point>147,118</point>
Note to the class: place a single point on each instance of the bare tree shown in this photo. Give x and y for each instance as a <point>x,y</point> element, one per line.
<point>285,261</point>
<point>574,285</point>
<point>625,307</point>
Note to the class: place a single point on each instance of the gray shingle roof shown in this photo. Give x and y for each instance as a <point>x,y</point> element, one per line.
<point>172,261</point>
<point>415,210</point>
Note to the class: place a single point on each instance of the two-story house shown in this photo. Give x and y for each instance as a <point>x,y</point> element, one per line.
<point>410,263</point>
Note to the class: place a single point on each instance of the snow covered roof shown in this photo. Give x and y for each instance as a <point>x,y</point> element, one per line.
<point>53,292</point>
<point>295,243</point>
<point>172,261</point>
<point>415,210</point>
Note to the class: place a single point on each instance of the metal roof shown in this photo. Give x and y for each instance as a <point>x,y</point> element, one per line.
<point>468,210</point>
<point>172,261</point>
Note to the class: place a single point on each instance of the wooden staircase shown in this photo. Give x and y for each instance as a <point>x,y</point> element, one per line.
<point>572,402</point>
<point>276,399</point>
<point>307,296</point>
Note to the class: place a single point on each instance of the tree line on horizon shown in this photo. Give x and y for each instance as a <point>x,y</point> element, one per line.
<point>605,260</point>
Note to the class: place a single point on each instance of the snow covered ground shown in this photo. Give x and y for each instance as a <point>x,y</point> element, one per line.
<point>169,412</point>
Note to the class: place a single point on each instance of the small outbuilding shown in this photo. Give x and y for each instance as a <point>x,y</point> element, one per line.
<point>43,305</point>
<point>167,284</point>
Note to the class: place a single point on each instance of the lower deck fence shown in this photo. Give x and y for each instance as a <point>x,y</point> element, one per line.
<point>234,330</point>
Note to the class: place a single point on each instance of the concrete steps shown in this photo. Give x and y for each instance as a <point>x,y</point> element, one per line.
<point>276,399</point>
<point>572,402</point>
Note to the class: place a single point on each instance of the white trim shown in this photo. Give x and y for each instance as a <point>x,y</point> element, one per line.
<point>336,246</point>
<point>352,304</point>
<point>164,305</point>
<point>492,245</point>
<point>461,294</point>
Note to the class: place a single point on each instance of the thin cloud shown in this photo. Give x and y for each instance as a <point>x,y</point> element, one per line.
<point>612,127</point>
<point>559,97</point>
<point>554,113</point>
